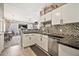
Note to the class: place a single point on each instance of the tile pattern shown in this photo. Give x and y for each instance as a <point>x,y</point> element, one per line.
<point>70,31</point>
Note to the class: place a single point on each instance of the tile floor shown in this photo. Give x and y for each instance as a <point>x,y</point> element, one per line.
<point>18,51</point>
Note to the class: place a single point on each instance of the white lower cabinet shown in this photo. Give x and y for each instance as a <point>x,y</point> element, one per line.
<point>45,42</point>
<point>67,51</point>
<point>42,41</point>
<point>26,40</point>
<point>39,40</point>
<point>31,39</point>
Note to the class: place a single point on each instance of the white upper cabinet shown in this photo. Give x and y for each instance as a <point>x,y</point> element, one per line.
<point>70,13</point>
<point>48,16</point>
<point>56,16</point>
<point>42,18</point>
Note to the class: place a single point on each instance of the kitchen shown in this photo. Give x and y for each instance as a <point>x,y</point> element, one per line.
<point>52,31</point>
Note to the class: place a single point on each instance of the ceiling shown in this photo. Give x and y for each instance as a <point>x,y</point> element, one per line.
<point>28,12</point>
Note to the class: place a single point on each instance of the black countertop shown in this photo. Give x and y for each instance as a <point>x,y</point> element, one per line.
<point>65,40</point>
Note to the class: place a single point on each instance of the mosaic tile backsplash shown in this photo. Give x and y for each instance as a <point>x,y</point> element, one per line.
<point>69,31</point>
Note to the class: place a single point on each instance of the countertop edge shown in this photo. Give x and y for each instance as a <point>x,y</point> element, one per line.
<point>68,45</point>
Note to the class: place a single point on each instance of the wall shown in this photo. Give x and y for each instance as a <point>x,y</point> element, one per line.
<point>1,10</point>
<point>13,27</point>
<point>1,27</point>
<point>1,16</point>
<point>7,24</point>
<point>66,29</point>
<point>1,42</point>
<point>70,31</point>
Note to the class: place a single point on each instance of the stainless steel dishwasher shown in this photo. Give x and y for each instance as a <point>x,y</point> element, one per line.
<point>53,46</point>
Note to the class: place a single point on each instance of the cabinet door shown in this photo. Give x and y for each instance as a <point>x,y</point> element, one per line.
<point>45,42</point>
<point>70,13</point>
<point>48,16</point>
<point>42,18</point>
<point>56,16</point>
<point>26,40</point>
<point>38,40</point>
<point>33,38</point>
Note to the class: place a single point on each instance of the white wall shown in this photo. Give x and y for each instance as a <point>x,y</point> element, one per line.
<point>1,28</point>
<point>1,16</point>
<point>13,27</point>
<point>1,10</point>
<point>1,42</point>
